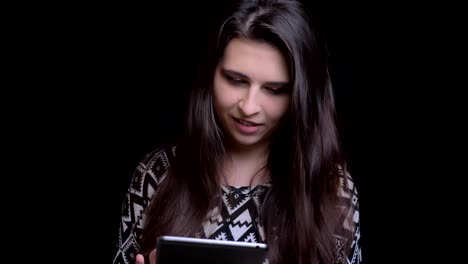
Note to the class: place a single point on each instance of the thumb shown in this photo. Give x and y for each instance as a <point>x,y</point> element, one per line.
<point>139,259</point>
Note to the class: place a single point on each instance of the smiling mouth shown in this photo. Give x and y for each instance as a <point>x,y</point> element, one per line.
<point>245,122</point>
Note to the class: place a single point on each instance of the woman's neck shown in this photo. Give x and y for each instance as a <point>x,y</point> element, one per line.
<point>246,167</point>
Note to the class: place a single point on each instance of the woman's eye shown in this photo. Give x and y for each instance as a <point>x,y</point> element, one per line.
<point>234,80</point>
<point>273,90</point>
<point>277,90</point>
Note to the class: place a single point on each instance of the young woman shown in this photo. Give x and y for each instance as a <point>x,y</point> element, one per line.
<point>260,160</point>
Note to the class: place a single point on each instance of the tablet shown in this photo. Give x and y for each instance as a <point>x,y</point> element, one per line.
<point>178,250</point>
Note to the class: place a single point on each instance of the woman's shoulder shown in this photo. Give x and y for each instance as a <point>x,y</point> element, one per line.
<point>347,186</point>
<point>162,155</point>
<point>348,194</point>
<point>152,170</point>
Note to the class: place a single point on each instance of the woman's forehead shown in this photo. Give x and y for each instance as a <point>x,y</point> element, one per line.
<point>258,60</point>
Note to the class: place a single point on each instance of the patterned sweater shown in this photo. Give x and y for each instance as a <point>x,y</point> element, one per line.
<point>237,220</point>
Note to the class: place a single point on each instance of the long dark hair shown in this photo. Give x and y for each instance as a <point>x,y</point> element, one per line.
<point>301,213</point>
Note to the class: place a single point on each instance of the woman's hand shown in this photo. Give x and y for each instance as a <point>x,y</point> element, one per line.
<point>140,259</point>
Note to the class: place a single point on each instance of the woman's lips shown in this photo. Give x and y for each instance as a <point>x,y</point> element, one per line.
<point>245,126</point>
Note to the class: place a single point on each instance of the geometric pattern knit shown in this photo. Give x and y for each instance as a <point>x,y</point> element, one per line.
<point>237,220</point>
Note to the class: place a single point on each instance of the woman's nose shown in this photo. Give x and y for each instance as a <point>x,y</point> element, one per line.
<point>248,104</point>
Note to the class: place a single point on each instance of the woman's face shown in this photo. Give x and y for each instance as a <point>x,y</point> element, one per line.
<point>251,91</point>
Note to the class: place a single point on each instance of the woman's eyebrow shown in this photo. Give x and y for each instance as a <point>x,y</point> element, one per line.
<point>231,72</point>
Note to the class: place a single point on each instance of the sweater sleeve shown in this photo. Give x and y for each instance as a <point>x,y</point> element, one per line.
<point>146,178</point>
<point>349,195</point>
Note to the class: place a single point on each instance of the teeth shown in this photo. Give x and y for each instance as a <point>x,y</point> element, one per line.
<point>245,123</point>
